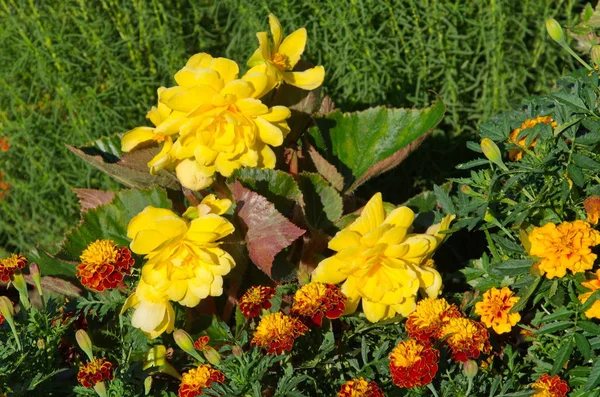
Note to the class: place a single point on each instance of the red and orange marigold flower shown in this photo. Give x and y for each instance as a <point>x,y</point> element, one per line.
<point>256,299</point>
<point>495,309</point>
<point>95,371</point>
<point>103,265</point>
<point>315,300</point>
<point>550,386</point>
<point>359,387</point>
<point>199,378</point>
<point>466,338</point>
<point>9,266</point>
<point>277,332</point>
<point>413,364</point>
<point>431,314</point>
<point>202,343</point>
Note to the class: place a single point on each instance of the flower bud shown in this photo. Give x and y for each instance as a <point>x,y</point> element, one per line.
<point>85,343</point>
<point>555,30</point>
<point>147,385</point>
<point>157,357</point>
<point>492,152</point>
<point>470,368</point>
<point>237,351</point>
<point>41,344</point>
<point>36,275</point>
<point>186,343</point>
<point>595,54</point>
<point>21,286</point>
<point>6,308</point>
<point>212,355</point>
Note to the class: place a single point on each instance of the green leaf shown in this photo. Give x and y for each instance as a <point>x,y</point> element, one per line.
<point>362,145</point>
<point>278,187</point>
<point>590,301</point>
<point>131,169</point>
<point>514,267</point>
<point>562,355</point>
<point>576,175</point>
<point>571,100</point>
<point>326,169</point>
<point>589,326</point>
<point>107,221</point>
<point>444,200</point>
<point>554,326</point>
<point>583,346</point>
<point>524,295</point>
<point>426,201</point>
<point>594,379</point>
<point>585,162</point>
<point>322,204</point>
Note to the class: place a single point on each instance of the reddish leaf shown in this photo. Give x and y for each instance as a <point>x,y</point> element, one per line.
<point>56,285</point>
<point>327,106</point>
<point>268,232</point>
<point>326,169</point>
<point>92,198</point>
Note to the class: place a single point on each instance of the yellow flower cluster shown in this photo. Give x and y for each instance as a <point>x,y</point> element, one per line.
<point>563,247</point>
<point>184,261</point>
<point>213,121</point>
<point>382,262</point>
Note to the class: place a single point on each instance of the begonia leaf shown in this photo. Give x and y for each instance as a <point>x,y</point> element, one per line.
<point>267,231</point>
<point>364,144</point>
<point>92,198</point>
<point>278,187</point>
<point>322,204</point>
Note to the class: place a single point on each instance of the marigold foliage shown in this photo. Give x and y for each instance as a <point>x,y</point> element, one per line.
<point>563,247</point>
<point>197,379</point>
<point>277,332</point>
<point>316,300</point>
<point>184,262</point>
<point>9,266</point>
<point>98,370</point>
<point>426,322</point>
<point>103,265</point>
<point>359,387</point>
<point>465,338</point>
<point>256,299</point>
<point>381,263</point>
<point>495,307</point>
<point>413,364</point>
<point>550,386</point>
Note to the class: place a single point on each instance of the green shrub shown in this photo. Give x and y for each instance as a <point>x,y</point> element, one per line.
<point>72,71</point>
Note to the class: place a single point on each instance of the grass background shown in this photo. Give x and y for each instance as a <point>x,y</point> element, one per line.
<point>74,70</point>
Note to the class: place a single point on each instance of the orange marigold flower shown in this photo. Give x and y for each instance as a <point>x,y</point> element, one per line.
<point>592,285</point>
<point>277,332</point>
<point>4,144</point>
<point>315,300</point>
<point>495,307</point>
<point>95,371</point>
<point>517,154</point>
<point>103,265</point>
<point>592,208</point>
<point>199,378</point>
<point>431,314</point>
<point>550,386</point>
<point>9,266</point>
<point>201,343</point>
<point>466,338</point>
<point>256,299</point>
<point>564,247</point>
<point>413,364</point>
<point>359,387</point>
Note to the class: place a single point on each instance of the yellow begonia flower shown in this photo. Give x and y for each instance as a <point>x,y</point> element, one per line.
<point>226,126</point>
<point>166,123</point>
<point>184,261</point>
<point>277,60</point>
<point>381,262</point>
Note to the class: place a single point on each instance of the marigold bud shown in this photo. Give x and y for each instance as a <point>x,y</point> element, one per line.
<point>492,152</point>
<point>470,368</point>
<point>21,286</point>
<point>41,344</point>
<point>237,350</point>
<point>6,308</point>
<point>186,343</point>
<point>595,54</point>
<point>34,271</point>
<point>85,343</point>
<point>147,385</point>
<point>555,30</point>
<point>100,389</point>
<point>212,355</point>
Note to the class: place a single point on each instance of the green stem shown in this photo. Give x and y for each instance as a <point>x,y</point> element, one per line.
<point>432,389</point>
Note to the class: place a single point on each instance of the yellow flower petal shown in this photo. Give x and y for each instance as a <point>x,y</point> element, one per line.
<point>328,271</point>
<point>188,99</point>
<point>277,114</point>
<point>239,88</point>
<point>276,31</point>
<point>200,60</point>
<point>208,224</point>
<point>217,206</point>
<point>259,81</point>
<point>269,134</point>
<point>256,58</point>
<point>344,239</point>
<point>349,288</point>
<point>371,216</point>
<point>134,137</point>
<point>376,311</point>
<point>228,69</point>
<point>307,80</point>
<point>162,159</point>
<point>267,157</point>
<point>193,175</point>
<point>250,106</point>
<point>293,46</point>
<point>263,45</point>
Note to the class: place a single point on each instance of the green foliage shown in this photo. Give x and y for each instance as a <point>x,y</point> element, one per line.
<point>73,71</point>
